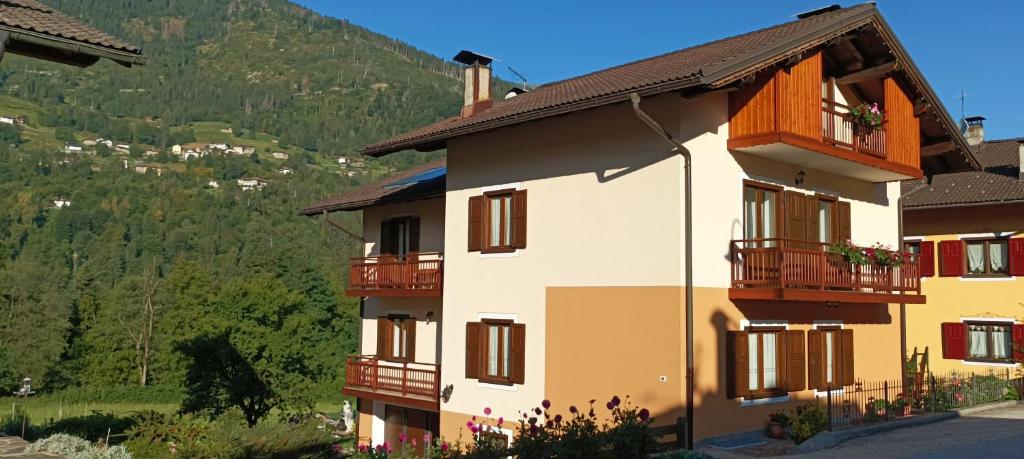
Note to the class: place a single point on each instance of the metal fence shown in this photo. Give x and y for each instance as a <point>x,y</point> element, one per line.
<point>881,401</point>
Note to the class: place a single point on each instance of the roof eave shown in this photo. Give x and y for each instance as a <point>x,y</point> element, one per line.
<point>963,204</point>
<point>363,204</point>
<point>68,51</point>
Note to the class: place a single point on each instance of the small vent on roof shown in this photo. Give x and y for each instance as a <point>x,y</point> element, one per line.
<point>818,11</point>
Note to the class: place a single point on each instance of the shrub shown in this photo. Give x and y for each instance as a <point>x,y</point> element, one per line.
<point>806,421</point>
<point>72,447</point>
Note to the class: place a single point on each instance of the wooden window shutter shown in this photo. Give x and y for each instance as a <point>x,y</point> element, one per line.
<point>476,223</point>
<point>414,235</point>
<point>843,220</point>
<point>795,362</point>
<point>517,359</point>
<point>386,230</point>
<point>796,216</point>
<point>737,364</point>
<point>813,219</point>
<point>847,375</point>
<point>474,330</point>
<point>951,258</point>
<point>954,340</point>
<point>1018,342</point>
<point>383,335</point>
<point>1016,249</point>
<point>927,258</point>
<point>816,359</point>
<point>519,219</point>
<point>410,339</point>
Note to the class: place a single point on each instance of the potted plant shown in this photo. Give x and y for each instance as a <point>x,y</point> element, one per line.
<point>902,405</point>
<point>866,118</point>
<point>847,252</point>
<point>777,423</point>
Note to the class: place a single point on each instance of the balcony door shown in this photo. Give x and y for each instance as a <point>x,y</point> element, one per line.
<point>760,214</point>
<point>409,424</point>
<point>400,236</point>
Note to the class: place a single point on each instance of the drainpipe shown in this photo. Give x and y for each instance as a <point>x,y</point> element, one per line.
<point>678,147</point>
<point>903,306</point>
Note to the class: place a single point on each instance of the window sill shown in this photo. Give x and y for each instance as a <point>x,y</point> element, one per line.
<point>504,387</point>
<point>990,364</point>
<point>987,278</point>
<point>764,401</point>
<point>514,253</point>
<point>822,393</point>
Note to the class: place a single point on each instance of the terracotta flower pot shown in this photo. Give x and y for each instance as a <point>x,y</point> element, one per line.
<point>776,430</point>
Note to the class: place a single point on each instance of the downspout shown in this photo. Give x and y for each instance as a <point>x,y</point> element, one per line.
<point>678,147</point>
<point>903,306</point>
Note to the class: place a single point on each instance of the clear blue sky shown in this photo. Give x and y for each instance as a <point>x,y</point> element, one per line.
<point>974,46</point>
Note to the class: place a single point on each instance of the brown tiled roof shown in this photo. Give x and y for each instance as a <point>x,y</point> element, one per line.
<point>36,20</point>
<point>999,182</point>
<point>708,65</point>
<point>381,192</point>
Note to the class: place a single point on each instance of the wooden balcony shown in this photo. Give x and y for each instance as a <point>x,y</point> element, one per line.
<point>419,274</point>
<point>786,116</point>
<point>409,384</point>
<point>784,269</point>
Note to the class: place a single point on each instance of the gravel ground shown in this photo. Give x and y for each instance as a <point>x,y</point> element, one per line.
<point>989,434</point>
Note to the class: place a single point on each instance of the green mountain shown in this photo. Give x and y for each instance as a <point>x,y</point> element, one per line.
<point>266,66</point>
<point>142,270</point>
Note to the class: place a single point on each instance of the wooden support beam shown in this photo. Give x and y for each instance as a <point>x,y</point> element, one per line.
<point>937,149</point>
<point>343,229</point>
<point>868,73</point>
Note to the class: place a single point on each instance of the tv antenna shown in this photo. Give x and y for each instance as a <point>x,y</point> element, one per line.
<point>963,95</point>
<point>526,84</point>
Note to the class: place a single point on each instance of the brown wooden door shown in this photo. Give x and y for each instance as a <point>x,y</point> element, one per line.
<point>411,422</point>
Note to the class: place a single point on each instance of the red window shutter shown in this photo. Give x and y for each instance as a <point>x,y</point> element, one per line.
<point>954,340</point>
<point>517,354</point>
<point>951,258</point>
<point>519,219</point>
<point>473,360</point>
<point>737,365</point>
<point>927,258</point>
<point>476,223</point>
<point>1018,342</point>
<point>1016,256</point>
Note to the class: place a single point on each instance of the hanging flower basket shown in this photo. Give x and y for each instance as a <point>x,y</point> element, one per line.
<point>866,119</point>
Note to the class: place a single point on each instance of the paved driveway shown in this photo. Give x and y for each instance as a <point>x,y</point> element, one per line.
<point>990,435</point>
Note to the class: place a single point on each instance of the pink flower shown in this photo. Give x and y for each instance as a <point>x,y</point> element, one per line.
<point>363,448</point>
<point>615,400</point>
<point>474,429</point>
<point>487,411</point>
<point>644,414</point>
<point>609,405</point>
<point>413,442</point>
<point>538,411</point>
<point>546,404</point>
<point>444,447</point>
<point>501,420</point>
<point>402,438</point>
<point>426,437</point>
<point>474,418</point>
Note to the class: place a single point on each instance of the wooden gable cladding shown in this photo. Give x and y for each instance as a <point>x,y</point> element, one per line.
<point>788,99</point>
<point>902,127</point>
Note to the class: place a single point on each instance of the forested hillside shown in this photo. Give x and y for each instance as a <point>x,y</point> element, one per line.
<point>141,274</point>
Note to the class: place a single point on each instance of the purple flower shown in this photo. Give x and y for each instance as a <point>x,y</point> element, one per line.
<point>615,400</point>
<point>487,411</point>
<point>558,418</point>
<point>573,410</point>
<point>533,429</point>
<point>644,414</point>
<point>474,429</point>
<point>609,405</point>
<point>533,421</point>
<point>538,411</point>
<point>501,420</point>
<point>525,415</point>
<point>548,424</point>
<point>546,404</point>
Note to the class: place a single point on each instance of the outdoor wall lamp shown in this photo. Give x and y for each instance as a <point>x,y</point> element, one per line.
<point>800,177</point>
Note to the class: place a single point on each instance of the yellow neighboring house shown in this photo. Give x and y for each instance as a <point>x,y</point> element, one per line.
<point>546,257</point>
<point>967,228</point>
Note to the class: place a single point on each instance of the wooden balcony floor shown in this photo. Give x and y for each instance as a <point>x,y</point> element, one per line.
<point>836,296</point>
<point>419,402</point>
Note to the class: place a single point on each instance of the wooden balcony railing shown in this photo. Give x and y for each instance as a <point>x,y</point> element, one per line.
<point>417,385</point>
<point>782,269</point>
<point>413,274</point>
<point>838,130</point>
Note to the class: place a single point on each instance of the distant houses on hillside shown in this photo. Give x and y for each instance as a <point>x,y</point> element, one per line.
<point>280,155</point>
<point>252,183</point>
<point>61,202</point>
<point>13,120</point>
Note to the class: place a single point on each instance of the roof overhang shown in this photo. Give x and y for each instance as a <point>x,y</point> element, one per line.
<point>62,50</point>
<point>718,77</point>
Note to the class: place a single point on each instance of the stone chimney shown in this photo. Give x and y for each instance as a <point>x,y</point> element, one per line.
<point>974,129</point>
<point>477,95</point>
